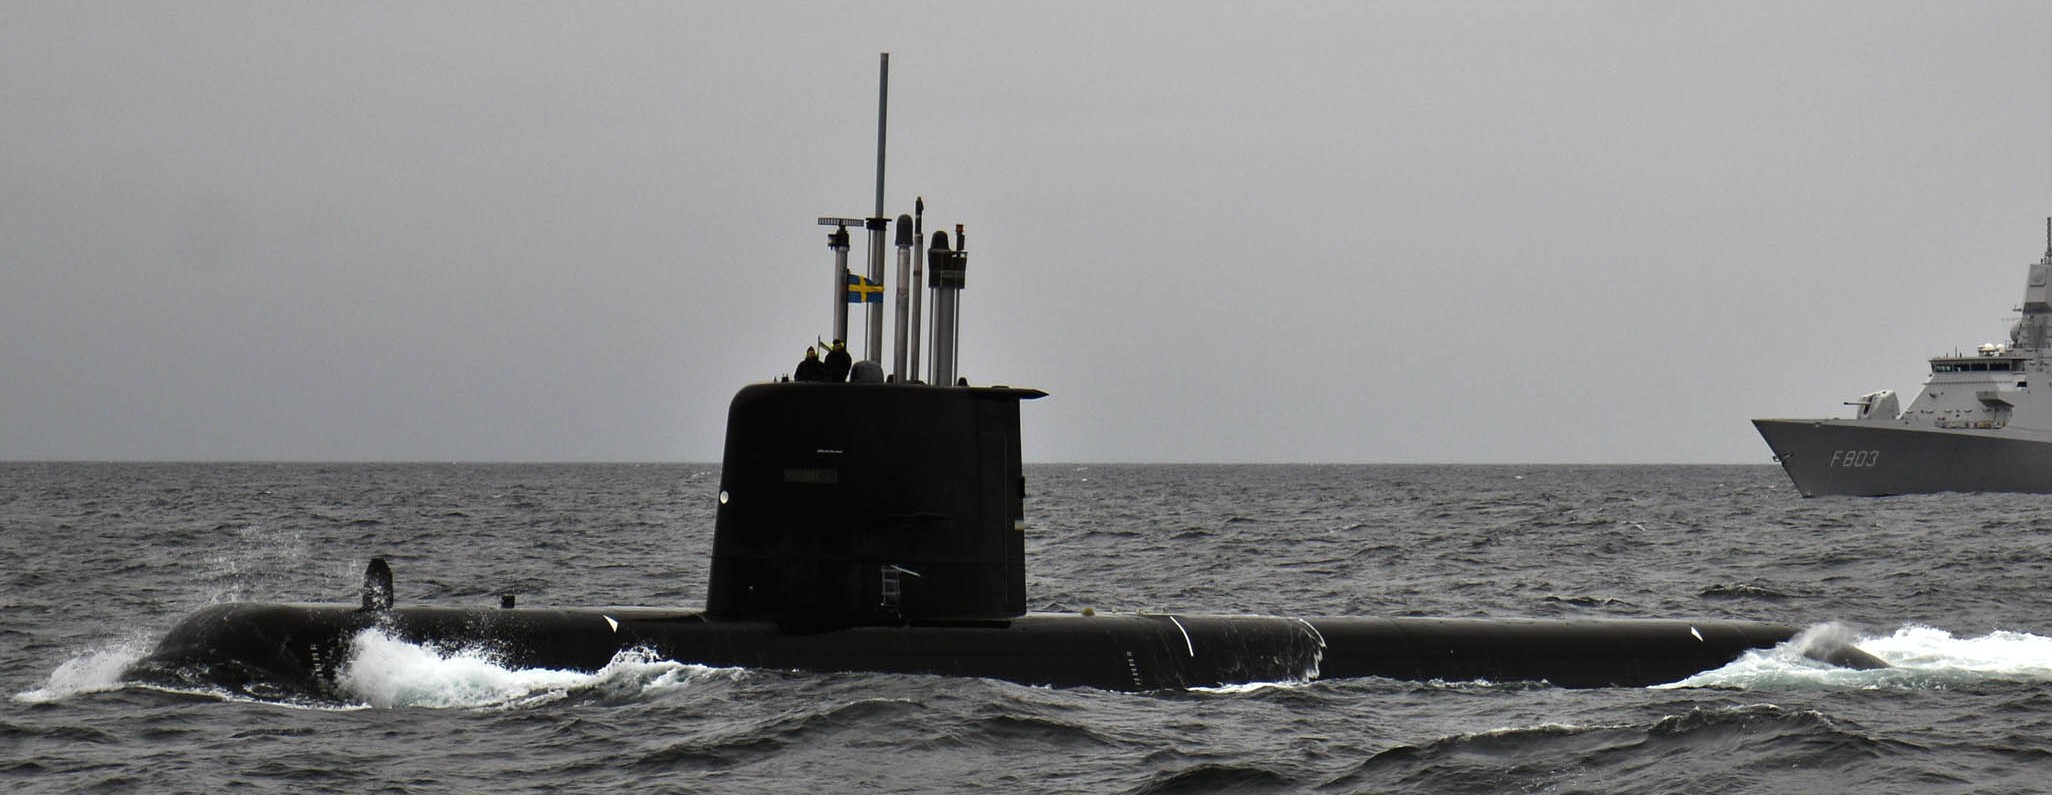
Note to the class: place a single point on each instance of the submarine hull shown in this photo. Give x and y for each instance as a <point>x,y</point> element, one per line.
<point>303,648</point>
<point>1867,459</point>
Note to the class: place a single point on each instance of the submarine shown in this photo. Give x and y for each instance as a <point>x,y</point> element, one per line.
<point>878,524</point>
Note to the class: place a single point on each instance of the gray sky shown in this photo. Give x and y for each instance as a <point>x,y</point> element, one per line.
<point>1376,232</point>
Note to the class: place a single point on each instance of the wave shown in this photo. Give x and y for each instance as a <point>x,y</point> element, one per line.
<point>1919,658</point>
<point>1748,747</point>
<point>95,671</point>
<point>386,672</point>
<point>1217,777</point>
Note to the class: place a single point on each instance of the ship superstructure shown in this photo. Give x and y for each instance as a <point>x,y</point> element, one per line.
<point>1982,422</point>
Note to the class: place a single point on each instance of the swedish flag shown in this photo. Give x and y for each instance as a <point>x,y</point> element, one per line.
<point>863,291</point>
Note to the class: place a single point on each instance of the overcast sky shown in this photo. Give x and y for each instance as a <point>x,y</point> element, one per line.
<point>1329,232</point>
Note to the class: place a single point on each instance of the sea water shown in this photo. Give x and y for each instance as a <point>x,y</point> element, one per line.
<point>100,559</point>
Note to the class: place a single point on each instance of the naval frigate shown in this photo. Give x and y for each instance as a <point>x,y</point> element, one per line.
<point>1983,421</point>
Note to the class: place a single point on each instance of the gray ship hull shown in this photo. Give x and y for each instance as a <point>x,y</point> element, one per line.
<point>1872,459</point>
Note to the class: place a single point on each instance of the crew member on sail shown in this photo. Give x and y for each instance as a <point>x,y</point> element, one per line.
<point>837,362</point>
<point>810,369</point>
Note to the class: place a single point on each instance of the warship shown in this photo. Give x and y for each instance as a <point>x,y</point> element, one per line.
<point>1983,421</point>
<point>878,524</point>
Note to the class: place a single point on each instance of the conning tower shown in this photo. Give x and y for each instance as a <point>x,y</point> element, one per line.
<point>847,504</point>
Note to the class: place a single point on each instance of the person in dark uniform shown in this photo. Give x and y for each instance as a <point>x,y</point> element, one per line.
<point>810,369</point>
<point>837,363</point>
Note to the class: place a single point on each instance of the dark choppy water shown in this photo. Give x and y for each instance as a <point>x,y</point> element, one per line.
<point>98,559</point>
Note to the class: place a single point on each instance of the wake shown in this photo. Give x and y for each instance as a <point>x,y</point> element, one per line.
<point>1919,658</point>
<point>388,673</point>
<point>384,672</point>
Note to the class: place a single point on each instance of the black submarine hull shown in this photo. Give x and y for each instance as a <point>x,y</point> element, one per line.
<point>304,647</point>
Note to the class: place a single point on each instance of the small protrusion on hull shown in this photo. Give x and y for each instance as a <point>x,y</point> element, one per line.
<point>1832,644</point>
<point>1845,655</point>
<point>377,586</point>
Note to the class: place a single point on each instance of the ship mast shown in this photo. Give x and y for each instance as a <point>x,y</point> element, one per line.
<point>872,348</point>
<point>931,265</point>
<point>2031,330</point>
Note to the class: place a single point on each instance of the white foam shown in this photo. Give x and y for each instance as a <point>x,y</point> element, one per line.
<point>1251,687</point>
<point>1919,658</point>
<point>386,672</point>
<point>2003,655</point>
<point>94,671</point>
